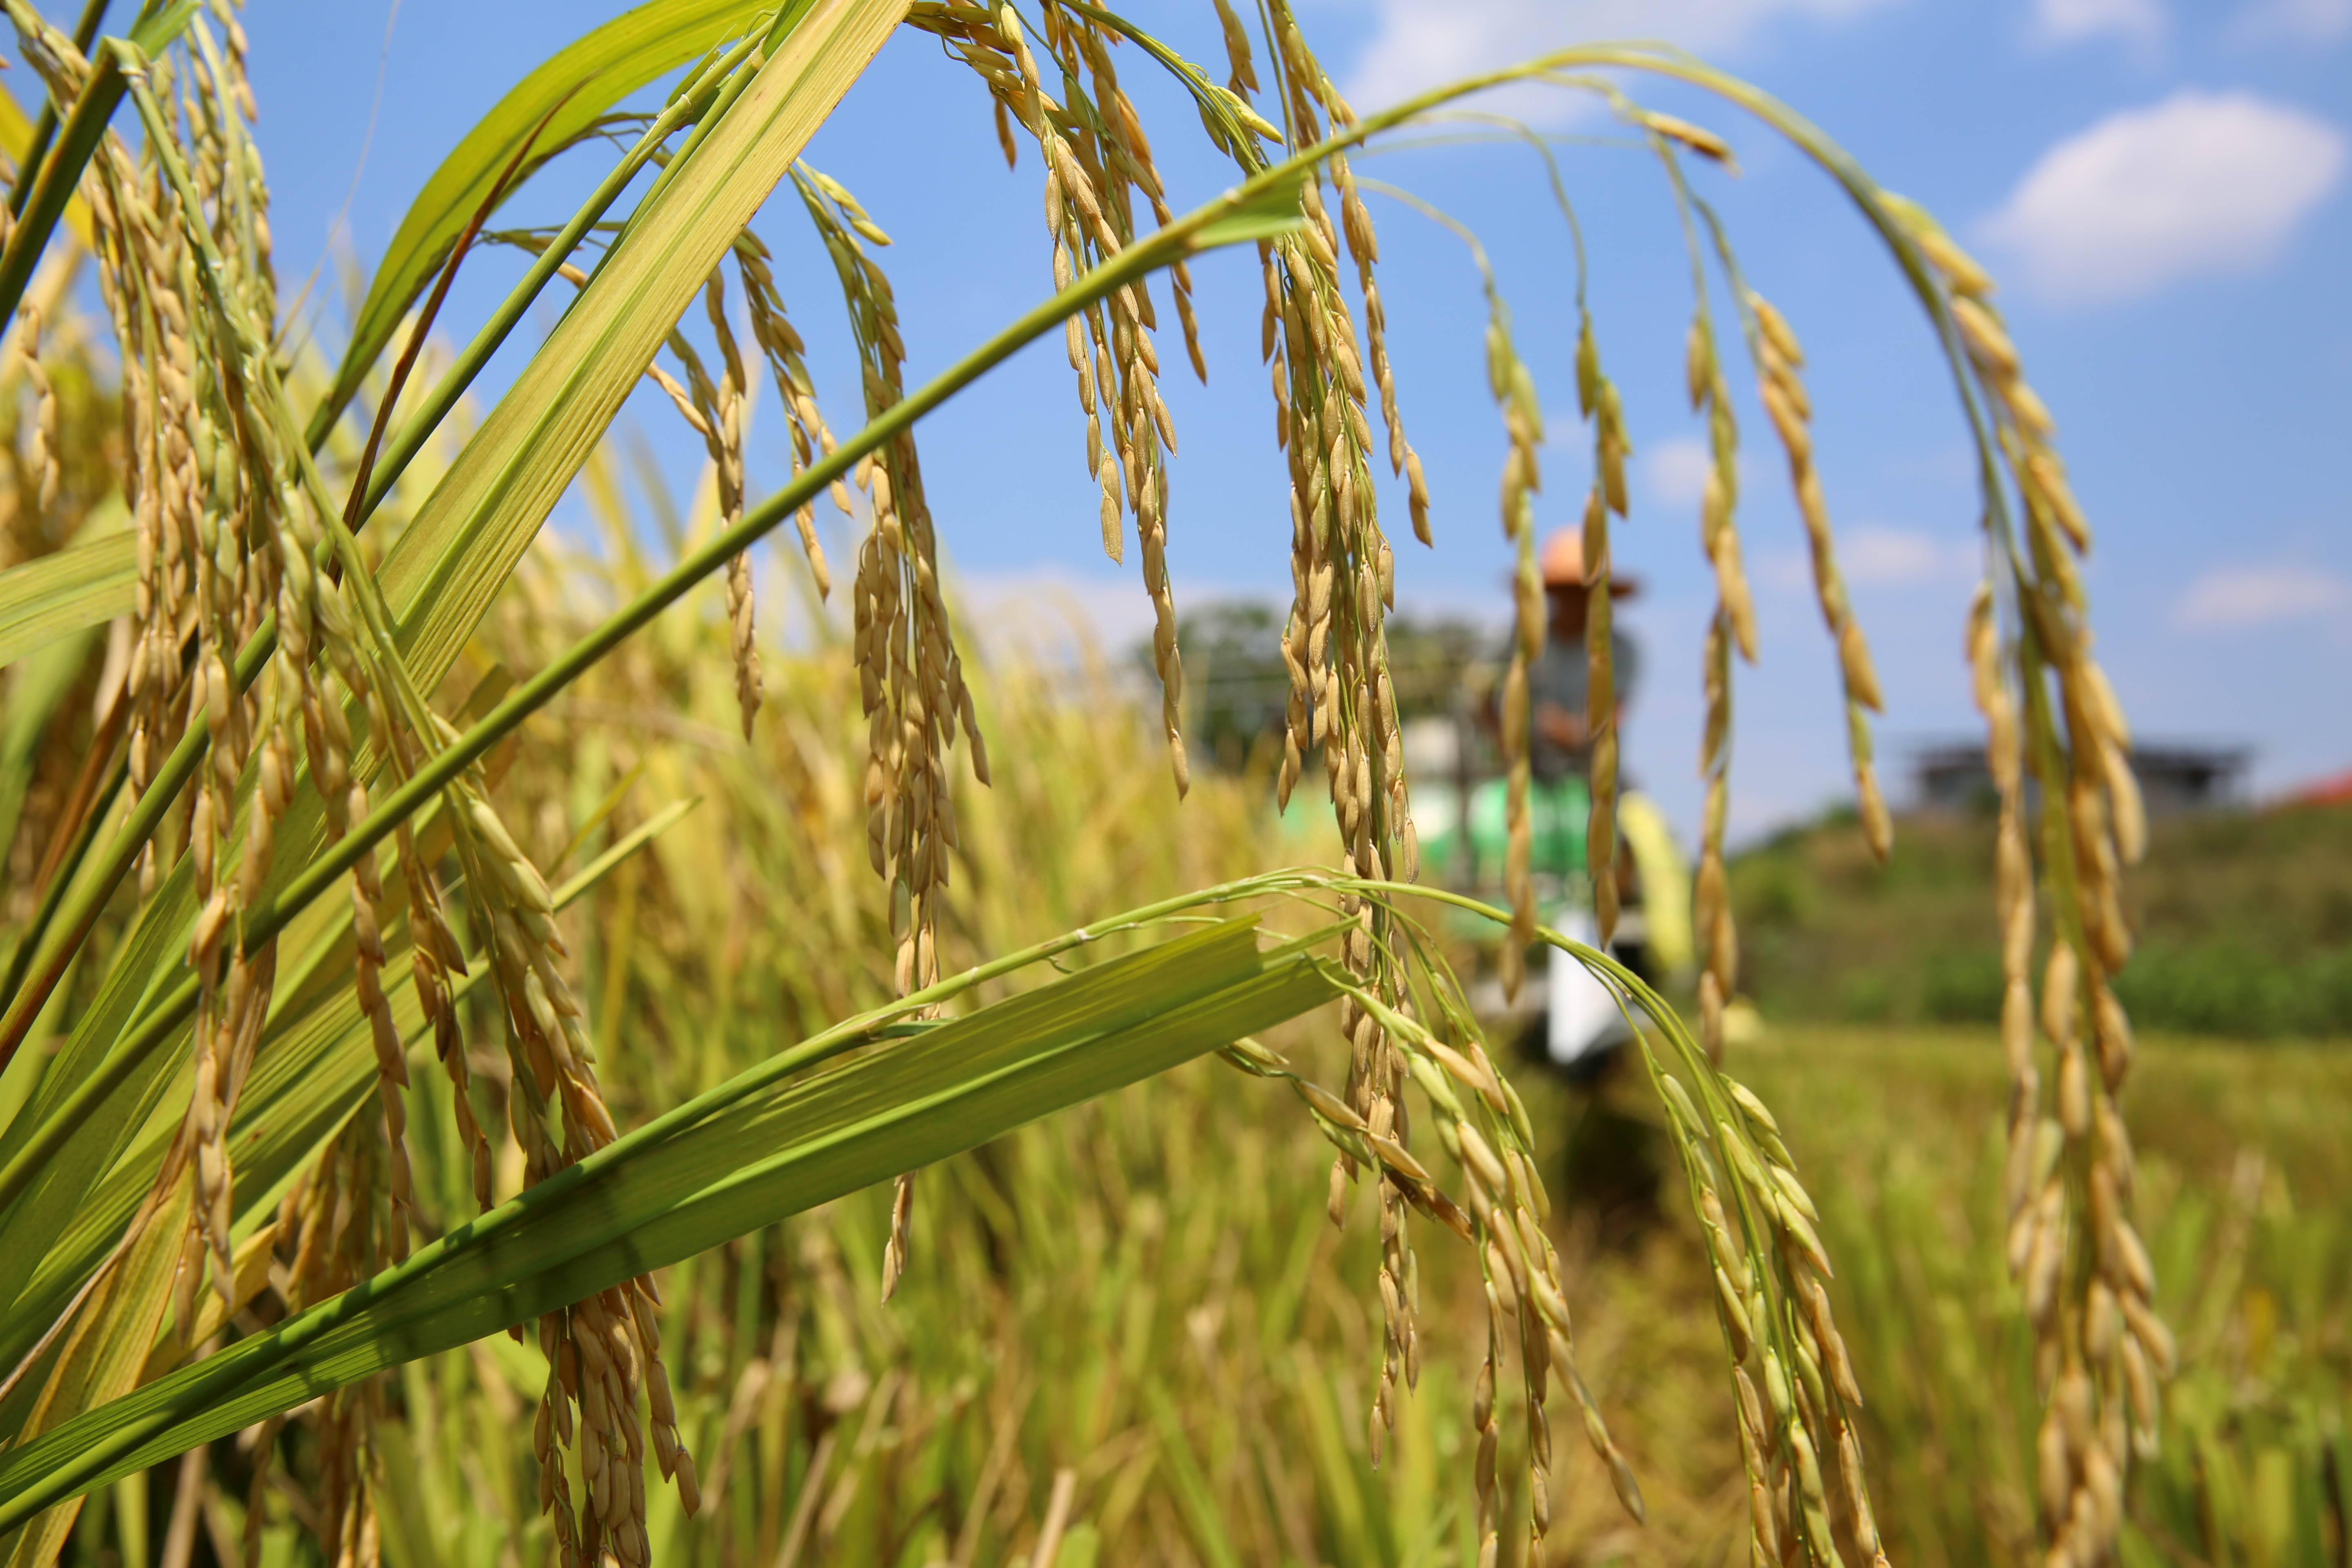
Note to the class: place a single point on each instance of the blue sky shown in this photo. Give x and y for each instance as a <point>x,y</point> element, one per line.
<point>2159,185</point>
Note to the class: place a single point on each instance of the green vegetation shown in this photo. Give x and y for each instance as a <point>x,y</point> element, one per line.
<point>479,1018</point>
<point>2244,922</point>
<point>2245,1184</point>
<point>1233,651</point>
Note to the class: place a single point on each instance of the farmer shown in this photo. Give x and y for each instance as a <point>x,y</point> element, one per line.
<point>1560,745</point>
<point>1581,1019</point>
<point>1471,830</point>
<point>1560,681</point>
<point>1612,1159</point>
<point>1559,752</point>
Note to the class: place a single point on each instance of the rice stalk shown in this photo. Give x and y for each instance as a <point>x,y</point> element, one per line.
<point>911,674</point>
<point>1096,161</point>
<point>1778,358</point>
<point>259,618</point>
<point>2085,1273</point>
<point>1733,623</point>
<point>364,671</point>
<point>1597,399</point>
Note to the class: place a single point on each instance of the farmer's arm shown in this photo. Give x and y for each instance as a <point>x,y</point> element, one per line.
<point>1559,726</point>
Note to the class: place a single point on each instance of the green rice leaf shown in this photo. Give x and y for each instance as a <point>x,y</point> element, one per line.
<point>35,694</point>
<point>554,102</point>
<point>1267,214</point>
<point>452,560</point>
<point>51,595</point>
<point>315,1067</point>
<point>767,1145</point>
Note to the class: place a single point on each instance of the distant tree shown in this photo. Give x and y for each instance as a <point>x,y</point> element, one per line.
<point>1240,688</point>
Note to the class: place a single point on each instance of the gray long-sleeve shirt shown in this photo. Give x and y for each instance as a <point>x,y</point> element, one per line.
<point>1562,678</point>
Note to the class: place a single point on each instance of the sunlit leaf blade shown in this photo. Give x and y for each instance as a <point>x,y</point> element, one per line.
<point>315,1067</point>
<point>1267,213</point>
<point>35,695</point>
<point>38,1214</point>
<point>726,1163</point>
<point>102,1358</point>
<point>451,561</point>
<point>50,596</point>
<point>554,102</point>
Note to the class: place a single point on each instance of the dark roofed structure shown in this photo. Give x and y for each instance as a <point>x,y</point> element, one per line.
<point>2173,778</point>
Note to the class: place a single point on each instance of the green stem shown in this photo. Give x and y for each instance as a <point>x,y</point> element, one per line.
<point>84,907</point>
<point>44,128</point>
<point>460,375</point>
<point>61,879</point>
<point>53,187</point>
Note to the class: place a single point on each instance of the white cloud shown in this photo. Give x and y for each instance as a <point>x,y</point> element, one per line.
<point>1901,557</point>
<point>1876,556</point>
<point>2317,21</point>
<point>2231,597</point>
<point>2072,21</point>
<point>1418,44</point>
<point>2201,183</point>
<point>1049,610</point>
<point>1674,470</point>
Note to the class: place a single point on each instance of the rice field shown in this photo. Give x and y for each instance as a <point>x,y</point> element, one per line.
<point>505,1059</point>
<point>1139,1307</point>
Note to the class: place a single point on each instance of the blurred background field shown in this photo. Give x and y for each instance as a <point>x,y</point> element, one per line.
<point>2244,917</point>
<point>1146,1293</point>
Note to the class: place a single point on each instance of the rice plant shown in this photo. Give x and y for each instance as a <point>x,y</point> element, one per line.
<point>313,1072</point>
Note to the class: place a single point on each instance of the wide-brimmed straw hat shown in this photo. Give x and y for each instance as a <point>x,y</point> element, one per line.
<point>1562,562</point>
